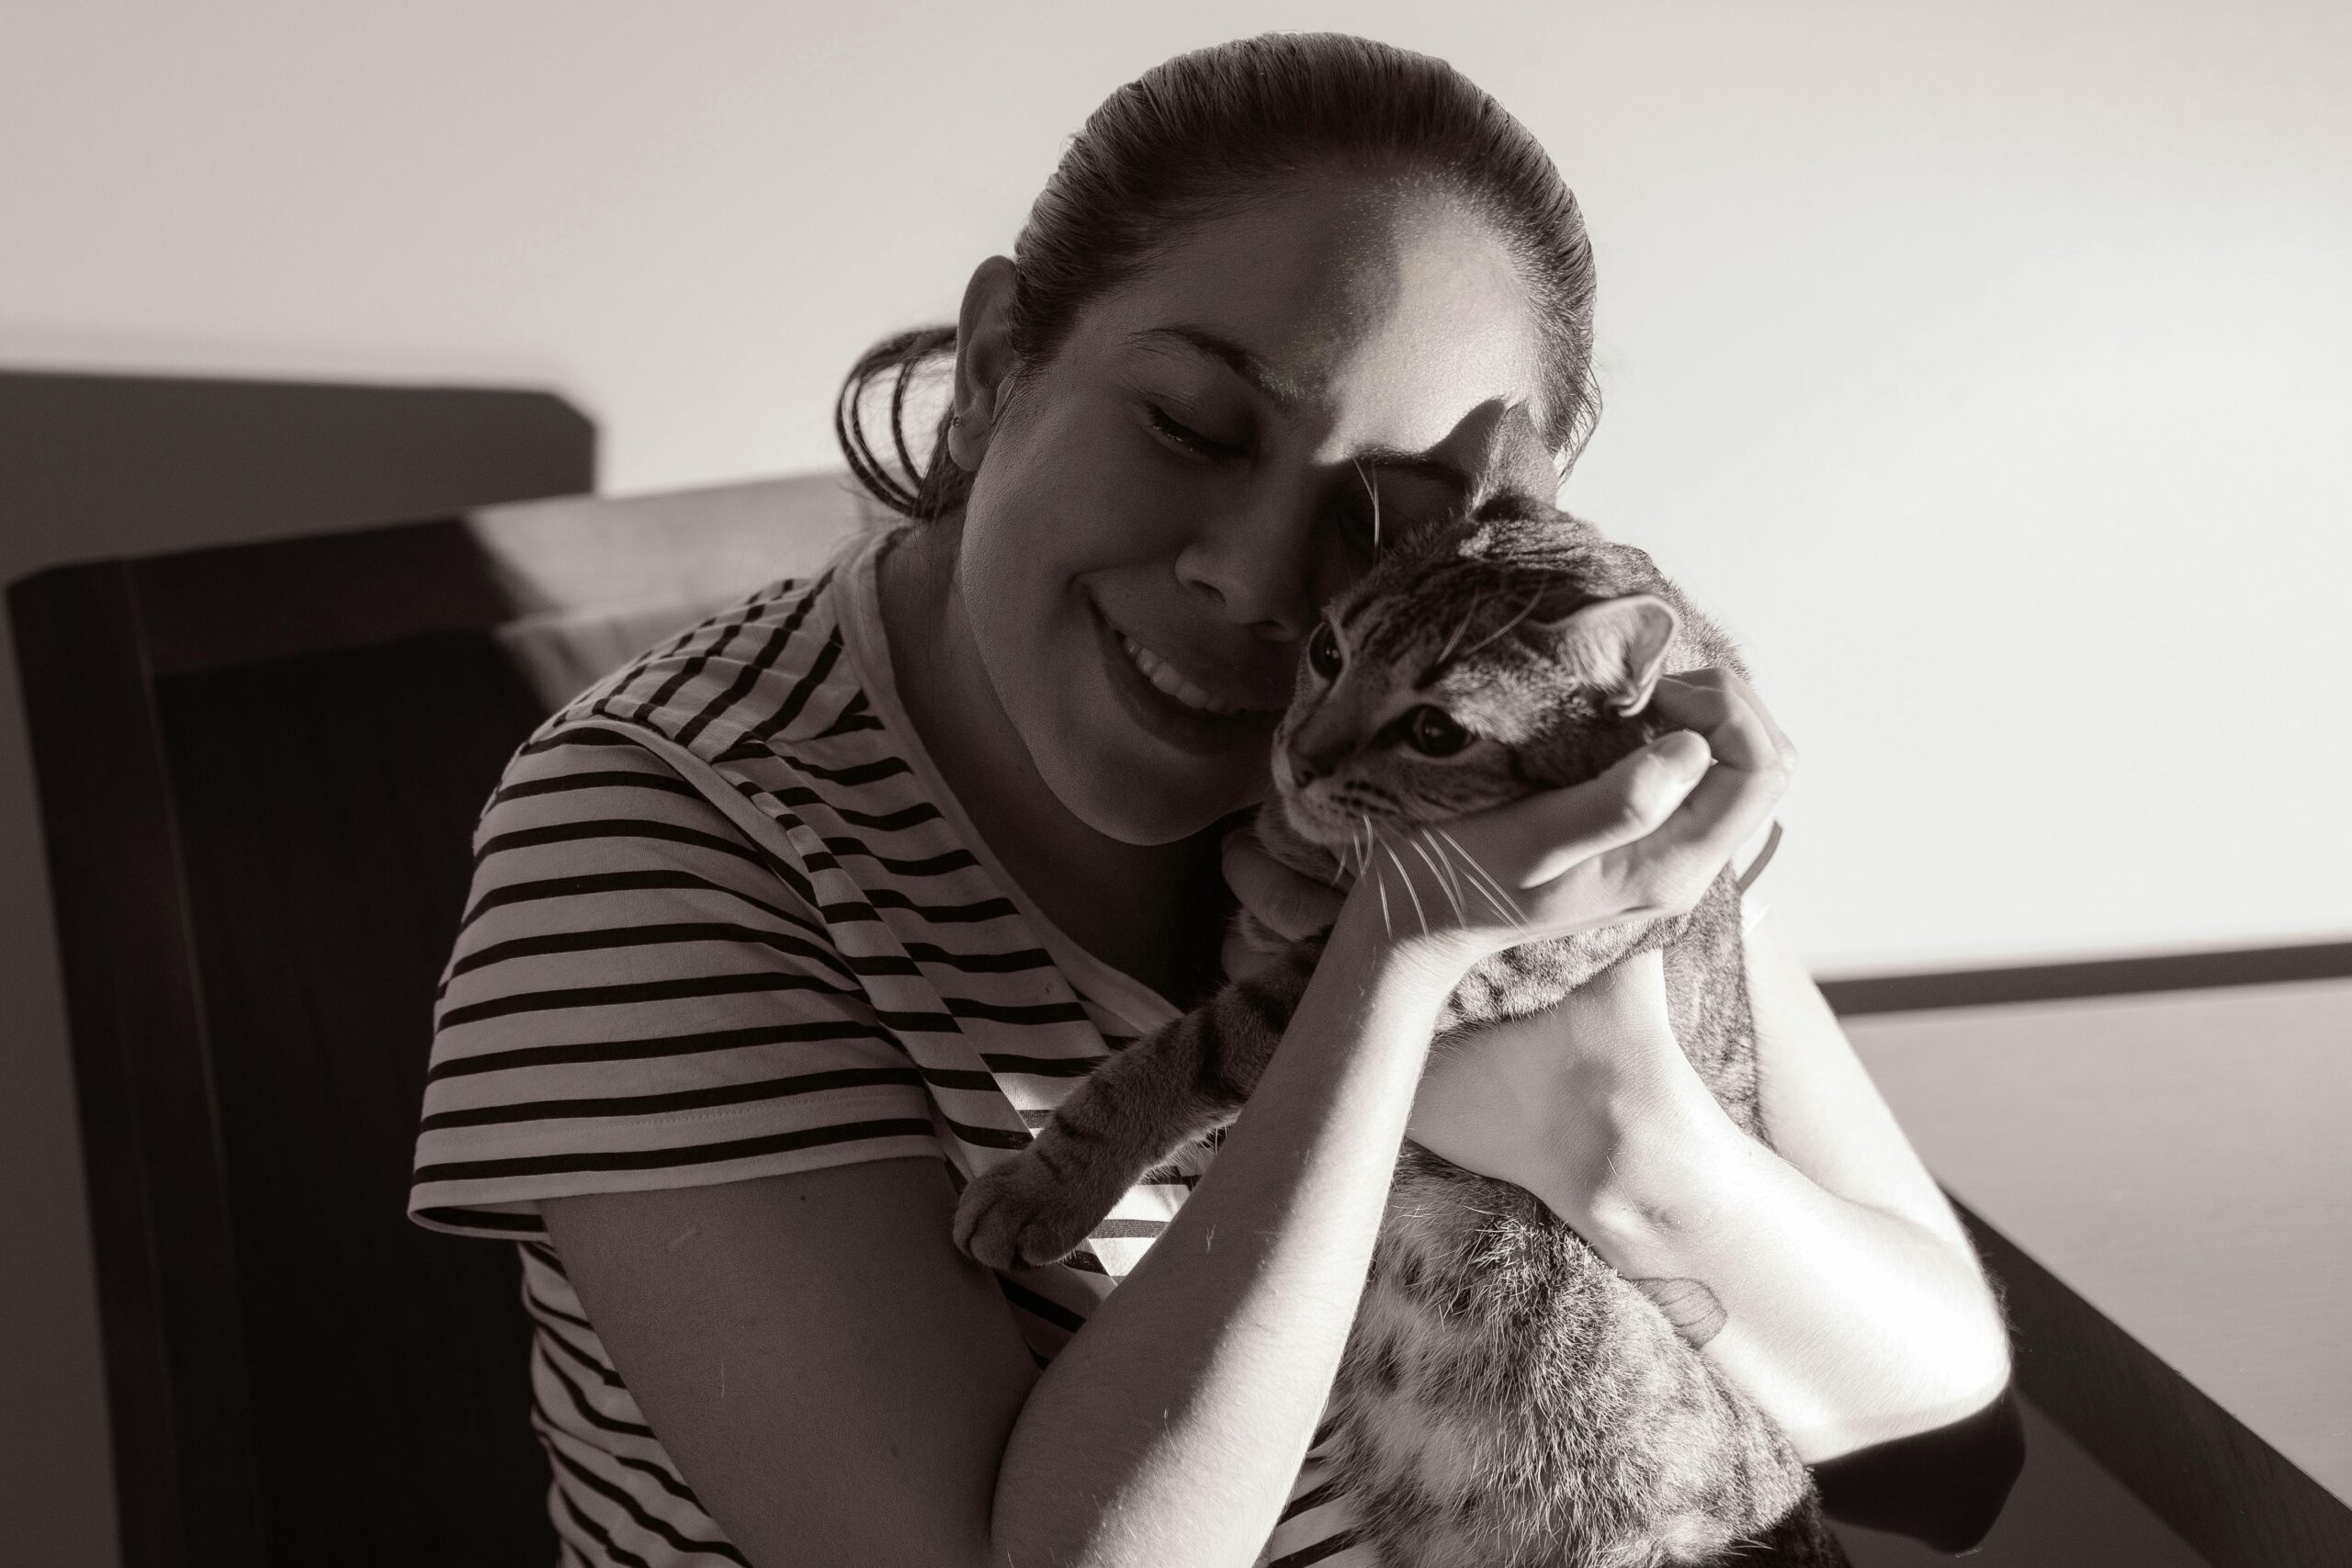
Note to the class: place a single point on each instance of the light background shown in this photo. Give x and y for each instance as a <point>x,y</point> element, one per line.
<point>1987,366</point>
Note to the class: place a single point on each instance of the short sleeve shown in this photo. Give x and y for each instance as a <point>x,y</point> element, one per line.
<point>639,998</point>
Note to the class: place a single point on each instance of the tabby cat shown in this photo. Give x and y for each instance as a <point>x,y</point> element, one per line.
<point>1510,650</point>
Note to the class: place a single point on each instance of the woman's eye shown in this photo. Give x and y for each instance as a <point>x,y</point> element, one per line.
<point>1323,652</point>
<point>1433,732</point>
<point>1185,436</point>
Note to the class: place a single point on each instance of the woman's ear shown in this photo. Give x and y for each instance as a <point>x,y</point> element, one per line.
<point>985,362</point>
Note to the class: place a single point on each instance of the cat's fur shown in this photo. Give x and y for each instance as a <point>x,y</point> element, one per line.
<point>1506,1399</point>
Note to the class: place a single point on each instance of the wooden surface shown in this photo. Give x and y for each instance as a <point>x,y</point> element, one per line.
<point>2180,1163</point>
<point>2066,1511</point>
<point>327,805</point>
<point>169,1299</point>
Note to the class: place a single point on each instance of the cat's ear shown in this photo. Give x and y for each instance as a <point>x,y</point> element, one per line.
<point>1615,645</point>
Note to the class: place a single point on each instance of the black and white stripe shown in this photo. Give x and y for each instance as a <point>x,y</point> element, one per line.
<point>726,923</point>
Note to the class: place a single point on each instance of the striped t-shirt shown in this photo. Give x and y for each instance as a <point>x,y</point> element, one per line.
<point>727,921</point>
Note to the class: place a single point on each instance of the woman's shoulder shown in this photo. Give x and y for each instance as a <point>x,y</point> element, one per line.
<point>765,670</point>
<point>644,990</point>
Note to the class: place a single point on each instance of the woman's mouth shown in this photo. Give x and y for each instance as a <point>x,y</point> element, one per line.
<point>1179,710</point>
<point>1170,680</point>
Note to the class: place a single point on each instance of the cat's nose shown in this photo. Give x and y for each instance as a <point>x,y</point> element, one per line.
<point>1305,767</point>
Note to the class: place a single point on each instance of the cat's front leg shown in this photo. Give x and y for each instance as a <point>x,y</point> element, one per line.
<point>1136,1108</point>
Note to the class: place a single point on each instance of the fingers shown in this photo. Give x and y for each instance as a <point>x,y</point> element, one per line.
<point>1629,801</point>
<point>1647,838</point>
<point>1293,904</point>
<point>1754,760</point>
<point>1650,835</point>
<point>1718,704</point>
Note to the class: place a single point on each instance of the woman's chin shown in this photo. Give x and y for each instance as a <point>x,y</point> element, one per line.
<point>1131,820</point>
<point>1127,799</point>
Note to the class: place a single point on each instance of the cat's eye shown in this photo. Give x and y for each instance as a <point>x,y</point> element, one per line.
<point>1323,652</point>
<point>1433,732</point>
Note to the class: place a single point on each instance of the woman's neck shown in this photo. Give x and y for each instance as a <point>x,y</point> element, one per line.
<point>1135,906</point>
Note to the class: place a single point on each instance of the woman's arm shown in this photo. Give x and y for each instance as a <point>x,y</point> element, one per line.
<point>841,1387</point>
<point>1829,1278</point>
<point>889,1415</point>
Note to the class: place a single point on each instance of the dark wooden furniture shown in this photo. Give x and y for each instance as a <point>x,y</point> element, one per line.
<point>2150,1153</point>
<point>259,770</point>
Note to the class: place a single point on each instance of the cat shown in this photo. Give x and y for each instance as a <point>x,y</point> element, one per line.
<point>1508,650</point>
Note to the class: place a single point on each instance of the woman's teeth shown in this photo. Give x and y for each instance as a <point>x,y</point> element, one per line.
<point>1162,674</point>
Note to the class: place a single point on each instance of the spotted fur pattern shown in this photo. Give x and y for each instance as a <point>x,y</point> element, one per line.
<point>1506,1399</point>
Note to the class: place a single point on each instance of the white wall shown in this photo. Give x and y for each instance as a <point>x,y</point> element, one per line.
<point>1986,363</point>
<point>1988,366</point>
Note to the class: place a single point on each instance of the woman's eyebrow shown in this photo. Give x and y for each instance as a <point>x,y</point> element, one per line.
<point>1224,350</point>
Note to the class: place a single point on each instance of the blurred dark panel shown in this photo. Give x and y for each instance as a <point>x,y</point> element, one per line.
<point>327,863</point>
<point>257,781</point>
<point>107,465</point>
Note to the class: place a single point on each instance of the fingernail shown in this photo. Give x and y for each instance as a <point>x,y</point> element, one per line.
<point>1683,751</point>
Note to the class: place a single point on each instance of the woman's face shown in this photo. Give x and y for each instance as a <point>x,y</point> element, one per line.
<point>1159,513</point>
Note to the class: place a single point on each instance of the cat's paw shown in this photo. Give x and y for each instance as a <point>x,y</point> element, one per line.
<point>1018,1216</point>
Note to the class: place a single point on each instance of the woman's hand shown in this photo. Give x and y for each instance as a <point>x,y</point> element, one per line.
<point>1548,1101</point>
<point>1540,1101</point>
<point>1645,839</point>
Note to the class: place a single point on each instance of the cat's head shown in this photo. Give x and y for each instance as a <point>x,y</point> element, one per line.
<point>1510,650</point>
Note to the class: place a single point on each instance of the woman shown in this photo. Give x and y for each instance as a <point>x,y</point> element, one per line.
<point>783,932</point>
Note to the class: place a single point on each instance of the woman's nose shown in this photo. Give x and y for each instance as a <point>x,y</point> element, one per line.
<point>1255,572</point>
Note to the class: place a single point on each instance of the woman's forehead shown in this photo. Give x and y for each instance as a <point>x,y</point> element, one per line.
<point>1400,306</point>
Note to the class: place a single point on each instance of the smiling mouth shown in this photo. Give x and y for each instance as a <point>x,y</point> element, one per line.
<point>1170,681</point>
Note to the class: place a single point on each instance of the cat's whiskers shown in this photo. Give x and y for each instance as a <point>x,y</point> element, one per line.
<point>1379,877</point>
<point>1451,851</point>
<point>1407,877</point>
<point>1496,893</point>
<point>1438,870</point>
<point>1446,869</point>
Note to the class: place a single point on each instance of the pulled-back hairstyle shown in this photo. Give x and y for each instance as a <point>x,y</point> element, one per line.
<point>1204,136</point>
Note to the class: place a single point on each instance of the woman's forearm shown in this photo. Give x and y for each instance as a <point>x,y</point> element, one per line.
<point>1847,1325</point>
<point>1170,1428</point>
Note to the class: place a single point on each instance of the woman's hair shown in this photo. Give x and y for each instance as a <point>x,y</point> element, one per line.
<point>1206,135</point>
